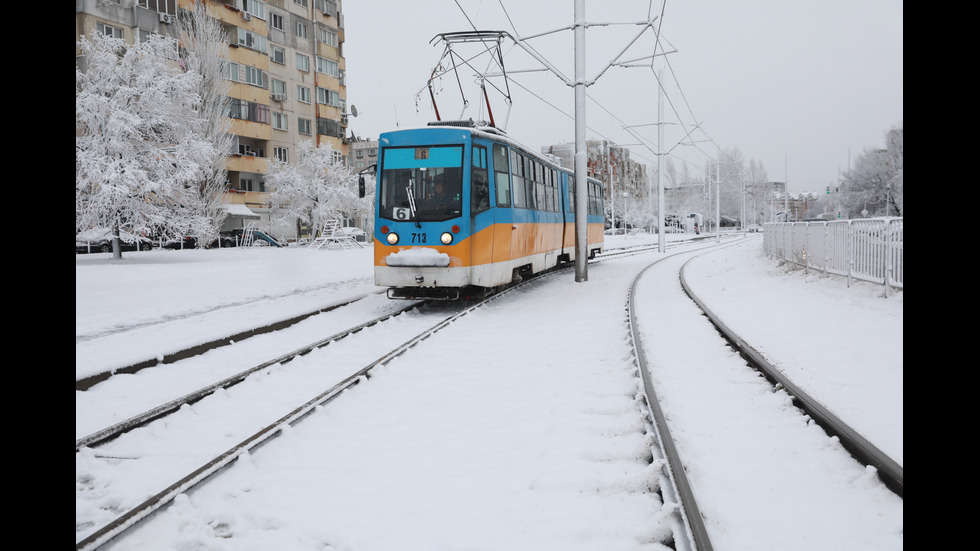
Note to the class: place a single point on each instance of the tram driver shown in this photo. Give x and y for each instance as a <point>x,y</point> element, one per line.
<point>441,198</point>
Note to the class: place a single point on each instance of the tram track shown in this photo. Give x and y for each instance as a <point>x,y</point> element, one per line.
<point>98,444</point>
<point>675,490</point>
<point>430,323</point>
<point>860,449</point>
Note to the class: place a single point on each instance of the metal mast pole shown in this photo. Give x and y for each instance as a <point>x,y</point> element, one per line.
<point>717,204</point>
<point>661,238</point>
<point>581,187</point>
<point>607,169</point>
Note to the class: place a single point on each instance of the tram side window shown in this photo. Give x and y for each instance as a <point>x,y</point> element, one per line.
<point>480,192</point>
<point>518,167</point>
<point>550,189</point>
<point>501,175</point>
<point>595,199</point>
<point>571,193</point>
<point>530,181</point>
<point>542,192</point>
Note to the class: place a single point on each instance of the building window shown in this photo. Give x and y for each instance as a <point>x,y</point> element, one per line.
<point>303,126</point>
<point>107,30</point>
<point>327,66</point>
<point>256,77</point>
<point>303,3</point>
<point>162,6</point>
<point>251,40</point>
<point>328,7</point>
<point>247,149</point>
<point>328,127</point>
<point>244,73</point>
<point>249,111</point>
<point>303,94</point>
<point>327,97</point>
<point>302,62</point>
<point>278,55</point>
<point>280,154</point>
<point>327,35</point>
<point>276,21</point>
<point>277,87</point>
<point>301,30</point>
<point>231,72</point>
<point>142,35</point>
<point>254,7</point>
<point>279,121</point>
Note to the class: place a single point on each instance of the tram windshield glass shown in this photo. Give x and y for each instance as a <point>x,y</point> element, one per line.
<point>421,183</point>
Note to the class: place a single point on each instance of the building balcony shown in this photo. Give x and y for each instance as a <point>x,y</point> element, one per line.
<point>245,163</point>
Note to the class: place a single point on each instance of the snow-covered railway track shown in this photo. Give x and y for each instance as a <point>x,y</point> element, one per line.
<point>709,400</point>
<point>157,411</point>
<point>195,348</point>
<point>591,436</point>
<point>262,404</point>
<point>892,474</point>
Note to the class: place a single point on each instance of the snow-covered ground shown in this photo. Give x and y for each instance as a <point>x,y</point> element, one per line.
<point>430,466</point>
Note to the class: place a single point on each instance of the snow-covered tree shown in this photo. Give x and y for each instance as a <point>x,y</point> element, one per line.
<point>138,144</point>
<point>316,188</point>
<point>204,44</point>
<point>895,143</point>
<point>875,182</point>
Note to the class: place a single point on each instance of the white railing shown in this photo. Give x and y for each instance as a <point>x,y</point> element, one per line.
<point>870,249</point>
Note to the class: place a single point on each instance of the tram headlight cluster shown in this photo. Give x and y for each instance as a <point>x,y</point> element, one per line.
<point>446,237</point>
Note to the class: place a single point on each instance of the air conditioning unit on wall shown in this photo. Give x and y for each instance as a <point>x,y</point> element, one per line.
<point>167,18</point>
<point>278,97</point>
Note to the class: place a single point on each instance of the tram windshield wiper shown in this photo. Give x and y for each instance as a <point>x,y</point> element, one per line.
<point>411,202</point>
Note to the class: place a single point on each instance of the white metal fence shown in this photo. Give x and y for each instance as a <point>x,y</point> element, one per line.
<point>869,249</point>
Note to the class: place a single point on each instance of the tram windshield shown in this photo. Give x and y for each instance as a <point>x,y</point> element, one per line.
<point>421,184</point>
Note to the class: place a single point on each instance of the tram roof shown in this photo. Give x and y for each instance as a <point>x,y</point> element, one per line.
<point>482,130</point>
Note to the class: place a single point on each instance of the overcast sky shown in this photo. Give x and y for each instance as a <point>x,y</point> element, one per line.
<point>802,87</point>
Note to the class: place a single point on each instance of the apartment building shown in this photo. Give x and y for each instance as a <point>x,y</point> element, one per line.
<point>287,74</point>
<point>610,163</point>
<point>364,153</point>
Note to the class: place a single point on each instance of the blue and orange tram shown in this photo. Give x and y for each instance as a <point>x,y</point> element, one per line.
<point>462,211</point>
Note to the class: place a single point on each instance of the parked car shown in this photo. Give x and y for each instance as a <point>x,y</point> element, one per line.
<point>753,228</point>
<point>357,234</point>
<point>100,241</point>
<point>227,239</point>
<point>258,238</point>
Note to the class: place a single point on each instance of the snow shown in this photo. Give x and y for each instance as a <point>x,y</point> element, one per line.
<point>501,434</point>
<point>418,256</point>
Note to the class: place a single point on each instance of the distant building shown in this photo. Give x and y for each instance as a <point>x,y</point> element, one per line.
<point>363,153</point>
<point>611,164</point>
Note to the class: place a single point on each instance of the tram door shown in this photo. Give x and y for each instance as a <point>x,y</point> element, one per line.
<point>481,217</point>
<point>503,217</point>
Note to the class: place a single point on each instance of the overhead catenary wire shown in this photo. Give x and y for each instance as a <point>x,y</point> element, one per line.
<point>689,129</point>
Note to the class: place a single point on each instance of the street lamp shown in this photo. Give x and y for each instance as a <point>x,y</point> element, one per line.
<point>625,195</point>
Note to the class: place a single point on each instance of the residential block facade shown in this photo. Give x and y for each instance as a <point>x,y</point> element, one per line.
<point>286,70</point>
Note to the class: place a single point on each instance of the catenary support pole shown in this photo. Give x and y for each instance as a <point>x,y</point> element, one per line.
<point>581,183</point>
<point>661,238</point>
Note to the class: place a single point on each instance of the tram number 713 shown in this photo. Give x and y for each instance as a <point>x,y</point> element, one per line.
<point>418,238</point>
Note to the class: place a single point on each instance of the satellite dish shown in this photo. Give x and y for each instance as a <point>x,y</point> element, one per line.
<point>353,110</point>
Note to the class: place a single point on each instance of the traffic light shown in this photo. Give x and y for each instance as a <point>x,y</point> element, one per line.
<point>828,190</point>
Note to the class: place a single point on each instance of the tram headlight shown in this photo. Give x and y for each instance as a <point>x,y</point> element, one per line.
<point>392,238</point>
<point>446,238</point>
